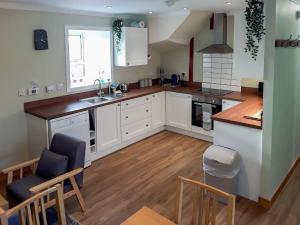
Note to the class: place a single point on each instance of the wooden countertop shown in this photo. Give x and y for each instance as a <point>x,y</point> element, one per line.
<point>50,109</point>
<point>250,105</point>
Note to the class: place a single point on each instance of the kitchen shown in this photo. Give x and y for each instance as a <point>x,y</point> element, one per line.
<point>216,95</point>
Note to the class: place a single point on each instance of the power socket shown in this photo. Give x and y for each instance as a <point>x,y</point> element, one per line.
<point>33,91</point>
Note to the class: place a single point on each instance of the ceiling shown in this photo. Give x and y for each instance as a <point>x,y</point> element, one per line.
<point>123,6</point>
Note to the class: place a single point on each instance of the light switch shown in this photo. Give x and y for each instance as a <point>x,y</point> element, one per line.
<point>22,92</point>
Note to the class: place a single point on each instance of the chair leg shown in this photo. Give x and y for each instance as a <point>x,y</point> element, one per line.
<point>78,194</point>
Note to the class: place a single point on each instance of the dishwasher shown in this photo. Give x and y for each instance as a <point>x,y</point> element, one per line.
<point>75,125</point>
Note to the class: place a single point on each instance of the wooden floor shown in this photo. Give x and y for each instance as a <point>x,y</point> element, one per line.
<point>144,174</point>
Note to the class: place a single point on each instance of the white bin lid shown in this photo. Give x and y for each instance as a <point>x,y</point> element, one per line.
<point>221,158</point>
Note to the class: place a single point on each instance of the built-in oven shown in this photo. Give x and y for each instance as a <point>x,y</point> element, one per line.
<point>200,104</point>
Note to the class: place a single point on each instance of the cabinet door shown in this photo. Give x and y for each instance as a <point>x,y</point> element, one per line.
<point>136,41</point>
<point>108,126</point>
<point>179,110</point>
<point>158,107</point>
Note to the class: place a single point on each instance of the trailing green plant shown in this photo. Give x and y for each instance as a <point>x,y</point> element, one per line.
<point>255,29</point>
<point>117,30</point>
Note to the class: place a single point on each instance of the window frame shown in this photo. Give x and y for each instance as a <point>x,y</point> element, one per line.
<point>95,28</point>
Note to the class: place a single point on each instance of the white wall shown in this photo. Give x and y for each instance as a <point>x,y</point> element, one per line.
<point>20,64</point>
<point>243,65</point>
<point>281,145</point>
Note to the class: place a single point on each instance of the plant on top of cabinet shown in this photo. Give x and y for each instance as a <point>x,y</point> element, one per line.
<point>255,28</point>
<point>117,29</point>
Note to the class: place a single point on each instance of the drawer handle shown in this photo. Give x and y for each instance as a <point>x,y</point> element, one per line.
<point>147,110</point>
<point>126,117</point>
<point>147,99</point>
<point>126,103</point>
<point>153,96</point>
<point>118,104</point>
<point>126,132</point>
<point>147,125</point>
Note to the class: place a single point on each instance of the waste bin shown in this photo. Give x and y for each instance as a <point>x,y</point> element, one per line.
<point>221,167</point>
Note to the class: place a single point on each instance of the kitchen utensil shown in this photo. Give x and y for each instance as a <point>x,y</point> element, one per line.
<point>124,87</point>
<point>174,80</point>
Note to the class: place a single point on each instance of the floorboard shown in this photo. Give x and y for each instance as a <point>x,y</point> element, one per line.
<point>144,174</point>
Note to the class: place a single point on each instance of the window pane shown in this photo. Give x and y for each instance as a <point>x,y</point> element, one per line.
<point>89,56</point>
<point>75,47</point>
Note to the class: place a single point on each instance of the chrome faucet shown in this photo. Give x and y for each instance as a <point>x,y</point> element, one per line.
<point>100,92</point>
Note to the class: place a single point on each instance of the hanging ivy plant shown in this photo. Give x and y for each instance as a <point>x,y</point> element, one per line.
<point>117,30</point>
<point>255,29</point>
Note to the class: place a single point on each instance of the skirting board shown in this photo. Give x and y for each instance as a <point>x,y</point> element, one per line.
<point>190,133</point>
<point>267,204</point>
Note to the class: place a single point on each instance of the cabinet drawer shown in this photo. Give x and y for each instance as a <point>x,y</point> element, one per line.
<point>135,102</point>
<point>137,113</point>
<point>136,129</point>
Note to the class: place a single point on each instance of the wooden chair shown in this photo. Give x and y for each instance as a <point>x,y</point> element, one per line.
<point>33,210</point>
<point>71,180</point>
<point>204,203</point>
<point>204,207</point>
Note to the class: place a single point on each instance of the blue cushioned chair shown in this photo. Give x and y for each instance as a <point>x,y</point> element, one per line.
<point>62,163</point>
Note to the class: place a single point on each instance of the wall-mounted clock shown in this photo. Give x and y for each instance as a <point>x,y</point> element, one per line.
<point>40,39</point>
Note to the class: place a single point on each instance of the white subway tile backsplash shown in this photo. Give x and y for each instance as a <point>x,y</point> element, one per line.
<point>207,60</point>
<point>226,76</point>
<point>226,87</point>
<point>206,79</point>
<point>206,85</point>
<point>216,65</point>
<point>227,66</point>
<point>206,55</point>
<point>216,86</point>
<point>227,71</point>
<point>226,82</point>
<point>206,65</point>
<point>207,75</point>
<point>216,81</point>
<point>207,70</point>
<point>216,70</point>
<point>217,60</point>
<point>227,60</point>
<point>216,75</point>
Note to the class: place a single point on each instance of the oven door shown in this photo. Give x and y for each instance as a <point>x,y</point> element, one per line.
<point>197,114</point>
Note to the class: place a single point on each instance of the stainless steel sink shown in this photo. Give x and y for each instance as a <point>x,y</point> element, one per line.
<point>95,100</point>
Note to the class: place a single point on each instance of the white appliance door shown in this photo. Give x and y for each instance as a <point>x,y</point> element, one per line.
<point>75,126</point>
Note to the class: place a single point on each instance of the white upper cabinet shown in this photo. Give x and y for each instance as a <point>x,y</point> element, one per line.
<point>179,110</point>
<point>108,127</point>
<point>133,49</point>
<point>158,105</point>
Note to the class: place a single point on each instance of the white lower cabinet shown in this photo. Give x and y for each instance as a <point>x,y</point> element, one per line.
<point>136,129</point>
<point>108,127</point>
<point>179,110</point>
<point>158,107</point>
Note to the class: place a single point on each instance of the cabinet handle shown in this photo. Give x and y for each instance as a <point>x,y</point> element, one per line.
<point>126,117</point>
<point>126,132</point>
<point>153,96</point>
<point>147,99</point>
<point>126,103</point>
<point>118,104</point>
<point>147,110</point>
<point>147,125</point>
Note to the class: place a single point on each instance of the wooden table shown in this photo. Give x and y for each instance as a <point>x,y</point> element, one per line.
<point>146,216</point>
<point>3,203</point>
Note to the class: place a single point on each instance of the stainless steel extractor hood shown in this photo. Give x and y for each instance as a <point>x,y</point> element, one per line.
<point>219,36</point>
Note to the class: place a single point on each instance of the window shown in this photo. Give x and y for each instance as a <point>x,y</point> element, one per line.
<point>89,57</point>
